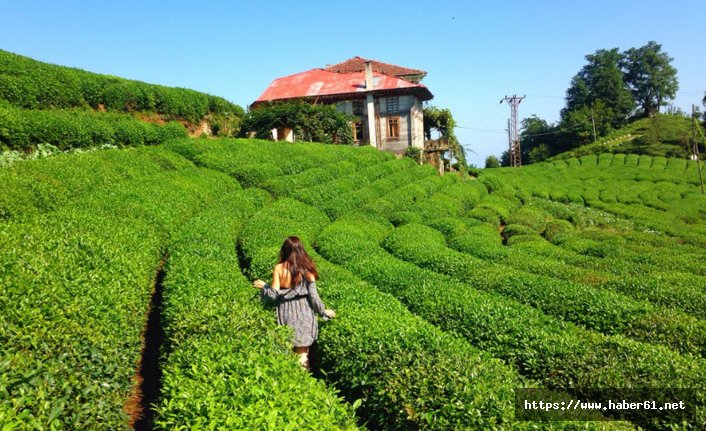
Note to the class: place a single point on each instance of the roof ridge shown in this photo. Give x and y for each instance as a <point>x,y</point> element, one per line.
<point>409,70</point>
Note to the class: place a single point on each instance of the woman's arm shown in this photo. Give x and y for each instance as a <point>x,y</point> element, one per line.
<point>268,292</point>
<point>316,304</point>
<point>275,278</point>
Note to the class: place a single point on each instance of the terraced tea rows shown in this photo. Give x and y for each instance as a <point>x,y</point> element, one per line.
<point>487,285</point>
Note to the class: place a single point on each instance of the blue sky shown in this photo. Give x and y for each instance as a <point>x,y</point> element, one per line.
<point>474,52</point>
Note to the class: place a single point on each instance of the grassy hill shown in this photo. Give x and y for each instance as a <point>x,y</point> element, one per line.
<point>68,108</point>
<point>451,293</point>
<point>665,135</point>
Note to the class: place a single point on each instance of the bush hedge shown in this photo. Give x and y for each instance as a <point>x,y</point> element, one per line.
<point>378,353</point>
<point>556,353</point>
<point>77,285</point>
<point>228,366</point>
<point>24,129</point>
<point>598,309</point>
<point>32,84</point>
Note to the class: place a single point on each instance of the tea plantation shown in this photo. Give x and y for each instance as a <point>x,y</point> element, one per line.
<point>451,293</point>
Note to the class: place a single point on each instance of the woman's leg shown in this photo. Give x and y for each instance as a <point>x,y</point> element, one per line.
<point>303,352</point>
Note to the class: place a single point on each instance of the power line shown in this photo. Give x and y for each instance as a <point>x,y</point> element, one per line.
<point>528,136</point>
<point>481,130</point>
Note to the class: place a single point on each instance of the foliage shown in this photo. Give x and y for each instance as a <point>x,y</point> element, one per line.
<point>413,153</point>
<point>601,80</point>
<point>561,269</point>
<point>555,352</point>
<point>596,309</point>
<point>72,323</point>
<point>442,121</point>
<point>310,122</point>
<point>610,88</point>
<point>32,84</point>
<point>652,79</point>
<point>492,162</point>
<point>666,135</point>
<point>381,362</point>
<point>226,356</point>
<point>26,129</point>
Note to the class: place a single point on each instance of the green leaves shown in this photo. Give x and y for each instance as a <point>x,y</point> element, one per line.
<point>32,84</point>
<point>312,123</point>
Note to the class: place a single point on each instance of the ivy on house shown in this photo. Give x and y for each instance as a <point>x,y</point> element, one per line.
<point>443,122</point>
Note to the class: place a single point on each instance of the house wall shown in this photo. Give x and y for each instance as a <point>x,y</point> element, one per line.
<point>411,122</point>
<point>417,125</point>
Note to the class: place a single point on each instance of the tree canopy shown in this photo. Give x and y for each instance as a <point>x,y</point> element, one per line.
<point>651,77</point>
<point>314,123</point>
<point>613,87</point>
<point>601,81</point>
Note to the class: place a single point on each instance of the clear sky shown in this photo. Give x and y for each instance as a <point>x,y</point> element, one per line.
<point>474,52</point>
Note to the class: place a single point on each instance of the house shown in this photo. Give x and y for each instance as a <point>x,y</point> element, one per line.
<point>386,99</point>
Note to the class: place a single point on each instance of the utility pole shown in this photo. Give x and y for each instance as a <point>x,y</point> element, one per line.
<point>695,148</point>
<point>515,153</point>
<point>593,120</point>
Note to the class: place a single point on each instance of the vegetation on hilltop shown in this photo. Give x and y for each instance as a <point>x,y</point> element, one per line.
<point>611,91</point>
<point>42,103</point>
<point>33,84</point>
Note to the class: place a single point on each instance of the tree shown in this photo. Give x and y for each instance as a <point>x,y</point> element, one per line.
<point>537,133</point>
<point>492,162</point>
<point>651,77</point>
<point>314,123</point>
<point>601,81</point>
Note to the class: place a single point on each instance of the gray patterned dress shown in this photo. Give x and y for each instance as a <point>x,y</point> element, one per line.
<point>295,308</point>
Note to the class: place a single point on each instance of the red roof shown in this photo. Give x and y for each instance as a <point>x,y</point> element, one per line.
<point>322,83</point>
<point>357,64</point>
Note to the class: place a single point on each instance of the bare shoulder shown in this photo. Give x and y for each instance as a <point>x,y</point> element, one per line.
<point>310,277</point>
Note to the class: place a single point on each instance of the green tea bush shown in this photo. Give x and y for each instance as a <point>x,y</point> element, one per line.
<point>602,310</point>
<point>24,130</point>
<point>78,285</point>
<point>228,366</point>
<point>557,353</point>
<point>385,362</point>
<point>39,186</point>
<point>32,84</point>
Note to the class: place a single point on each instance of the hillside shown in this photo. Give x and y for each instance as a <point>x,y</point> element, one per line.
<point>451,293</point>
<point>41,103</point>
<point>665,135</point>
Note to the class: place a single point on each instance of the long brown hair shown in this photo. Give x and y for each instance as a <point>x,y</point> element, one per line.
<point>296,260</point>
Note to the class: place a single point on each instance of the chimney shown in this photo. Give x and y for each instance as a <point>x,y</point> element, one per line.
<point>368,76</point>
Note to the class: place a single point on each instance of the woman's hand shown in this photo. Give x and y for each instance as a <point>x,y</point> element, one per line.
<point>330,314</point>
<point>258,284</point>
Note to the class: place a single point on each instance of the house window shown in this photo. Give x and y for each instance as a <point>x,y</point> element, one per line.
<point>393,104</point>
<point>357,131</point>
<point>358,107</point>
<point>393,127</point>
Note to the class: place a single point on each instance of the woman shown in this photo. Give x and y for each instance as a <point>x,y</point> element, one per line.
<point>293,289</point>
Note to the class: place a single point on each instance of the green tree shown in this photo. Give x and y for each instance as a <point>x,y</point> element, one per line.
<point>539,153</point>
<point>314,123</point>
<point>601,81</point>
<point>651,77</point>
<point>492,162</point>
<point>536,133</point>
